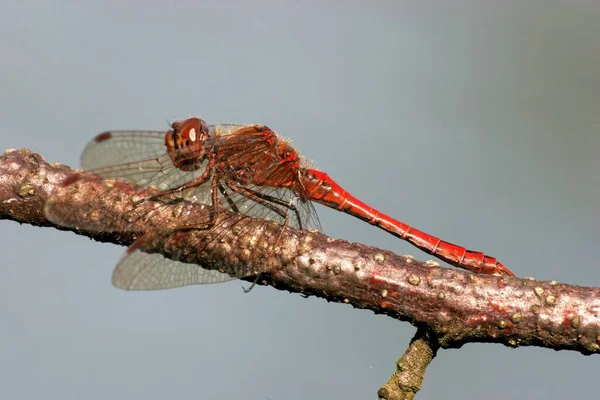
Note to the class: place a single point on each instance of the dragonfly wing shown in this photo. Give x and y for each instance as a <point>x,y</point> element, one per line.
<point>137,270</point>
<point>120,147</point>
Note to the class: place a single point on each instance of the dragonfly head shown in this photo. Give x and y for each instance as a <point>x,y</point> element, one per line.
<point>187,143</point>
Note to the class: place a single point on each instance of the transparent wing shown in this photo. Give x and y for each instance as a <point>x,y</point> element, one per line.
<point>120,147</point>
<point>143,271</point>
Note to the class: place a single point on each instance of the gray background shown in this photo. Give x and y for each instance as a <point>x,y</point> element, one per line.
<point>475,121</point>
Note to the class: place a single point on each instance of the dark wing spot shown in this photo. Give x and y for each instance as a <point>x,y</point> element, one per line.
<point>102,137</point>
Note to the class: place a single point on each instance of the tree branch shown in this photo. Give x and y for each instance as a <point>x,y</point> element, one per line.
<point>453,307</point>
<point>408,378</point>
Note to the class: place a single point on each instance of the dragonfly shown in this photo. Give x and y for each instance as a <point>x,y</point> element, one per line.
<point>246,169</point>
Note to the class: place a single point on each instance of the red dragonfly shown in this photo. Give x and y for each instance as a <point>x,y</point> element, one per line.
<point>243,168</point>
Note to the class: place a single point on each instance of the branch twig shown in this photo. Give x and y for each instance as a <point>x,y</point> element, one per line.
<point>408,378</point>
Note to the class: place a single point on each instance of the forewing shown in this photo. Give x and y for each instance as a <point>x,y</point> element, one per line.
<point>121,147</point>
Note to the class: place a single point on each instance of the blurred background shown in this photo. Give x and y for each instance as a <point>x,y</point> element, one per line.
<point>475,121</point>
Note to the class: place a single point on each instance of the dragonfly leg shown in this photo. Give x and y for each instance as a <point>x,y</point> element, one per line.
<point>206,175</point>
<point>266,201</point>
<point>261,199</point>
<point>230,201</point>
<point>247,290</point>
<point>214,209</point>
<point>278,201</point>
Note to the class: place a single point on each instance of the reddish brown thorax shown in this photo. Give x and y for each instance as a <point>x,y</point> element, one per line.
<point>186,143</point>
<point>277,165</point>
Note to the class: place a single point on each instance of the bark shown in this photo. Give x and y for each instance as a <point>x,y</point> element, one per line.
<point>450,307</point>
